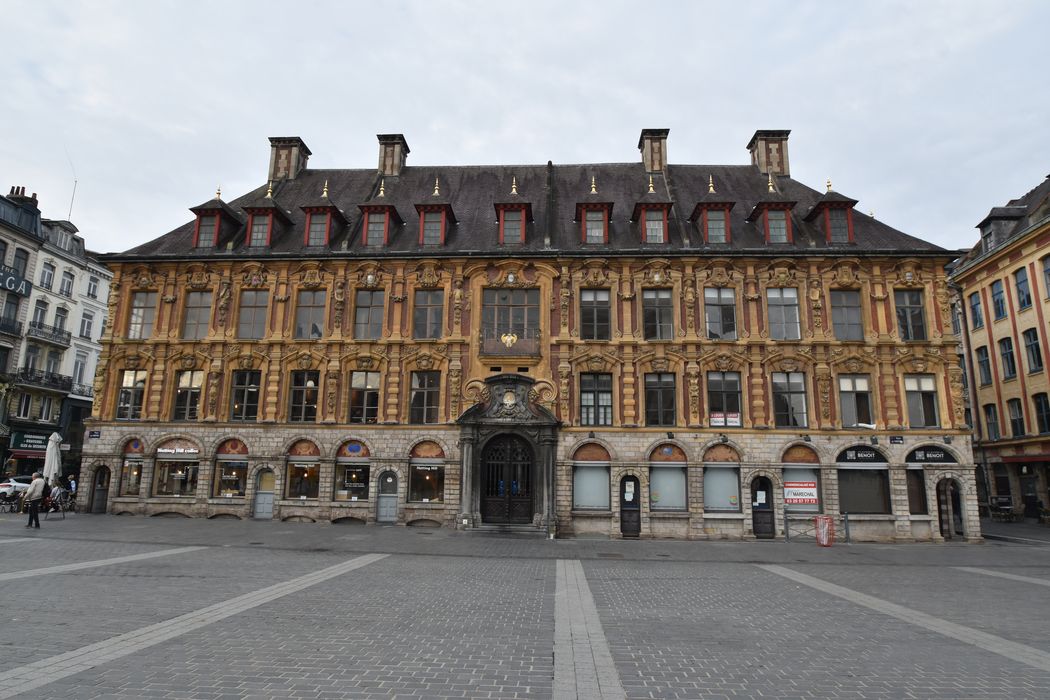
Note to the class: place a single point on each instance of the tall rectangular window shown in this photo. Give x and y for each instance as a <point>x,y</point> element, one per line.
<point>838,219</point>
<point>655,226</point>
<point>911,316</point>
<point>723,399</point>
<point>140,320</point>
<point>79,367</point>
<point>428,313</point>
<point>846,315</point>
<point>1006,354</point>
<point>432,222</point>
<point>317,235</point>
<point>789,400</point>
<point>658,314</point>
<point>720,313</point>
<point>40,313</point>
<point>721,488</point>
<point>1024,292</point>
<point>244,395</point>
<point>512,223</point>
<point>132,389</point>
<point>21,261</point>
<point>368,314</point>
<point>47,275</point>
<point>10,312</point>
<point>991,422</point>
<point>187,394</point>
<point>364,397</point>
<point>92,288</point>
<point>206,227</point>
<point>783,313</point>
<point>976,315</point>
<point>303,407</point>
<point>595,226</point>
<point>426,391</point>
<point>855,400</point>
<point>260,230</point>
<point>1042,413</point>
<point>46,404</point>
<point>251,321</point>
<point>1013,406</point>
<point>778,229</point>
<point>1046,275</point>
<point>60,318</point>
<point>66,286</point>
<point>920,391</point>
<point>25,405</point>
<point>1032,351</point>
<point>510,320</point>
<point>309,314</point>
<point>659,399</point>
<point>87,323</point>
<point>595,399</point>
<point>984,365</point>
<point>376,228</point>
<point>998,300</point>
<point>197,315</point>
<point>594,314</point>
<point>716,225</point>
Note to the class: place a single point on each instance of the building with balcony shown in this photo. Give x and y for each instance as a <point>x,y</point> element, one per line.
<point>625,349</point>
<point>1004,295</point>
<point>53,288</point>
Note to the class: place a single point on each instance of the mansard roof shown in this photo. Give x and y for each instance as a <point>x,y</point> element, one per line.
<point>554,193</point>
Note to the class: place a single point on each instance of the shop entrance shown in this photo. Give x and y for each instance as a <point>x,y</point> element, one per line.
<point>949,509</point>
<point>506,481</point>
<point>386,504</point>
<point>1030,493</point>
<point>101,491</point>
<point>630,507</point>
<point>264,485</point>
<point>762,508</point>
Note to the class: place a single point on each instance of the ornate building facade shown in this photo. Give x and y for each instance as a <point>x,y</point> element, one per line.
<point>1004,290</point>
<point>630,349</point>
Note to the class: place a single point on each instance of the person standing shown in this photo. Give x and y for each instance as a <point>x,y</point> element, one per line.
<point>34,494</point>
<point>73,484</point>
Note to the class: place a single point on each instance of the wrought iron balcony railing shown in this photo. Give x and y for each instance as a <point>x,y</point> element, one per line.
<point>82,390</point>
<point>49,334</point>
<point>48,380</point>
<point>502,341</point>
<point>10,326</point>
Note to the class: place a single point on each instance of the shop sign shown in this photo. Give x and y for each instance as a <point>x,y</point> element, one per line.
<point>94,434</point>
<point>177,451</point>
<point>13,282</point>
<point>930,455</point>
<point>800,493</point>
<point>896,439</point>
<point>28,441</point>
<point>861,455</point>
<point>719,420</point>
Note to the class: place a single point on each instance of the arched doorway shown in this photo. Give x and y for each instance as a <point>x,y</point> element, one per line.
<point>762,508</point>
<point>100,490</point>
<point>386,503</point>
<point>630,507</point>
<point>264,486</point>
<point>506,481</point>
<point>949,509</point>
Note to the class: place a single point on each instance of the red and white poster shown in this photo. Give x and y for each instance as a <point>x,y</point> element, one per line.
<point>800,493</point>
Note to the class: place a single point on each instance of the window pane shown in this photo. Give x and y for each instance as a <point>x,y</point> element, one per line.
<point>426,483</point>
<point>864,491</point>
<point>667,488</point>
<point>721,488</point>
<point>590,487</point>
<point>716,225</point>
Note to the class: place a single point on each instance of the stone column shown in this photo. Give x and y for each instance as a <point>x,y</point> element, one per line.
<point>467,441</point>
<point>548,447</point>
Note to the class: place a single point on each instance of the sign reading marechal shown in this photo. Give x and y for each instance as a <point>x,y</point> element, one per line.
<point>13,282</point>
<point>800,493</point>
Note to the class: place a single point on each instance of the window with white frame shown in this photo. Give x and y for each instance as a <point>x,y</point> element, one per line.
<point>783,313</point>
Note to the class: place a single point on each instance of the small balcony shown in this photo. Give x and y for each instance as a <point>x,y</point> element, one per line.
<point>9,326</point>
<point>510,342</point>
<point>85,390</point>
<point>44,380</point>
<point>48,334</point>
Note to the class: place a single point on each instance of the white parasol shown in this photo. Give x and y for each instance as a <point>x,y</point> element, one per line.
<point>53,459</point>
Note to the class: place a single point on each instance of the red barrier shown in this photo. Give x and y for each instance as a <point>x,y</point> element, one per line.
<point>824,525</point>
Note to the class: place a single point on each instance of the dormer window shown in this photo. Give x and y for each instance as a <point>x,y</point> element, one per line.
<point>376,227</point>
<point>716,226</point>
<point>655,226</point>
<point>838,225</point>
<point>595,227</point>
<point>207,235</point>
<point>318,224</point>
<point>432,228</point>
<point>778,226</point>
<point>259,228</point>
<point>512,225</point>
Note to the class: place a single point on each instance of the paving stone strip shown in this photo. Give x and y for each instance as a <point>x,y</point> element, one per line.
<point>1001,574</point>
<point>39,673</point>
<point>1021,653</point>
<point>583,665</point>
<point>61,568</point>
<point>16,540</point>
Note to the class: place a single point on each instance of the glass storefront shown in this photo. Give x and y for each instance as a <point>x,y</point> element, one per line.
<point>176,478</point>
<point>303,480</point>
<point>231,478</point>
<point>426,482</point>
<point>131,477</point>
<point>351,481</point>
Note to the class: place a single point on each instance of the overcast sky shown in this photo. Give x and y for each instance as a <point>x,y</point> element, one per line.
<point>929,113</point>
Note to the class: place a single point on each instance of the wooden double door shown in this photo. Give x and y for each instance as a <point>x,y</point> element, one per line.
<point>507,473</point>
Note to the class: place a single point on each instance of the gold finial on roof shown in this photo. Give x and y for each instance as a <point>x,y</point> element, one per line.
<point>437,188</point>
<point>871,213</point>
<point>770,182</point>
<point>829,184</point>
<point>514,185</point>
<point>324,192</point>
<point>269,190</point>
<point>382,187</point>
<point>710,184</point>
<point>651,190</point>
<point>218,192</point>
<point>594,185</point>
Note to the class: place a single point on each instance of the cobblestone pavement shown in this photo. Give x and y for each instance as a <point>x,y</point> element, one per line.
<point>127,607</point>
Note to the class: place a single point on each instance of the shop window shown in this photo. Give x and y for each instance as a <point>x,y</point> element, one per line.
<point>426,482</point>
<point>864,491</point>
<point>720,313</point>
<point>251,319</point>
<point>309,314</point>
<point>723,399</point>
<point>911,316</point>
<point>351,481</point>
<point>176,478</point>
<point>658,314</point>
<point>428,314</point>
<point>303,480</point>
<point>187,394</point>
<point>140,320</point>
<point>590,486</point>
<point>801,489</point>
<point>426,390</point>
<point>364,397</point>
<point>368,314</point>
<point>1002,480</point>
<point>789,399</point>
<point>721,488</point>
<point>596,399</point>
<point>783,313</point>
<point>231,478</point>
<point>846,315</point>
<point>667,486</point>
<point>132,389</point>
<point>917,492</point>
<point>130,477</point>
<point>660,398</point>
<point>594,314</point>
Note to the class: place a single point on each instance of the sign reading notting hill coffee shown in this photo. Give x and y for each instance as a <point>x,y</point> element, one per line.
<point>930,455</point>
<point>861,455</point>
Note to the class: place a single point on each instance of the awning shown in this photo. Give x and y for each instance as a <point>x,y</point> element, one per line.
<point>31,454</point>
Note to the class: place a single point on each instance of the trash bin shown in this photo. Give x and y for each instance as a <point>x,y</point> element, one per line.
<point>824,526</point>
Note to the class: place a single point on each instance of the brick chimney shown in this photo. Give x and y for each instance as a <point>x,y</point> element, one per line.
<point>769,151</point>
<point>653,145</point>
<point>18,195</point>
<point>393,154</point>
<point>288,156</point>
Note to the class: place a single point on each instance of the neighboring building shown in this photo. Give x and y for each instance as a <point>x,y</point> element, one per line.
<point>640,348</point>
<point>1004,287</point>
<point>52,318</point>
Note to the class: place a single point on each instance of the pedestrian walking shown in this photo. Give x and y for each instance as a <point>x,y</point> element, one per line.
<point>34,494</point>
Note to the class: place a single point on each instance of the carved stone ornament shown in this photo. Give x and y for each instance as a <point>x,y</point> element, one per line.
<point>789,364</point>
<point>198,280</point>
<point>724,362</point>
<point>719,277</point>
<point>909,274</point>
<point>853,365</point>
<point>246,361</point>
<point>132,362</point>
<point>428,277</point>
<point>511,278</point>
<point>144,279</point>
<point>370,277</point>
<point>304,361</point>
<point>595,363</point>
<point>311,278</point>
<point>338,301</point>
<point>657,273</point>
<point>425,361</point>
<point>477,391</point>
<point>188,361</point>
<point>781,276</point>
<point>846,276</point>
<point>364,361</point>
<point>660,364</point>
<point>255,277</point>
<point>594,273</point>
<point>223,306</point>
<point>824,388</point>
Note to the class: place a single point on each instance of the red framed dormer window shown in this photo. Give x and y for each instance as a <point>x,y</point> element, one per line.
<point>207,233</point>
<point>432,226</point>
<point>838,224</point>
<point>714,223</point>
<point>511,224</point>
<point>777,223</point>
<point>654,224</point>
<point>318,228</point>
<point>260,228</point>
<point>377,227</point>
<point>594,225</point>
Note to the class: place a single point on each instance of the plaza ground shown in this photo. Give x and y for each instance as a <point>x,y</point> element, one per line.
<point>132,607</point>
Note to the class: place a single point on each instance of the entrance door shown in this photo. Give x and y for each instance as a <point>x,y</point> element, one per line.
<point>263,508</point>
<point>1030,494</point>
<point>949,509</point>
<point>506,486</point>
<point>762,508</point>
<point>101,495</point>
<point>386,508</point>
<point>630,507</point>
